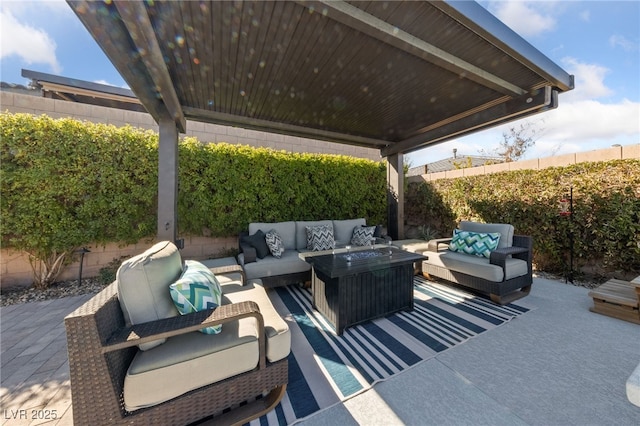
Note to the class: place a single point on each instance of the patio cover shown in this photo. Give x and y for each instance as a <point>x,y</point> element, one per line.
<point>393,76</point>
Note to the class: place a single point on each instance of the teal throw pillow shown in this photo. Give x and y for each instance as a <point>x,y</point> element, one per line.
<point>476,243</point>
<point>197,290</point>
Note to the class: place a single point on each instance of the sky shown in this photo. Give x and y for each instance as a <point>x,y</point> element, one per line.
<point>596,41</point>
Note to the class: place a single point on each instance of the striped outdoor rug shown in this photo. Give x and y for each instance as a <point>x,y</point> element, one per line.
<point>325,369</point>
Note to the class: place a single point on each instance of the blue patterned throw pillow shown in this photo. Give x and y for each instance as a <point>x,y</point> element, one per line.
<point>320,237</point>
<point>197,290</point>
<point>476,243</point>
<point>275,244</point>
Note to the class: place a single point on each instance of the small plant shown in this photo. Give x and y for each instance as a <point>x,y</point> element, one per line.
<point>107,274</point>
<point>427,233</point>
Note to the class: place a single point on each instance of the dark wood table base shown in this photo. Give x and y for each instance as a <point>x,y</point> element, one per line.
<point>364,289</point>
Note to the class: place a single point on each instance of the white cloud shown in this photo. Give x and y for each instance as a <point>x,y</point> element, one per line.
<point>589,80</point>
<point>31,44</point>
<point>589,119</point>
<point>525,17</point>
<point>585,16</point>
<point>617,40</point>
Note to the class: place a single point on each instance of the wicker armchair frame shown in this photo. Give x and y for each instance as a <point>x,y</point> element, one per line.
<point>500,292</point>
<point>101,348</point>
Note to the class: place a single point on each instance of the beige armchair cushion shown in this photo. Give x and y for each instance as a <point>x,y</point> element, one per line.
<point>143,286</point>
<point>276,329</point>
<point>190,361</point>
<point>506,230</point>
<point>193,360</point>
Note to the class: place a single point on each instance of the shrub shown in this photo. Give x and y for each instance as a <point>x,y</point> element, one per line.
<point>225,187</point>
<point>67,184</point>
<point>605,223</point>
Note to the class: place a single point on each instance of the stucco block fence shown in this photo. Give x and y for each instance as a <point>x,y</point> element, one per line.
<point>613,153</point>
<point>15,270</point>
<point>204,132</point>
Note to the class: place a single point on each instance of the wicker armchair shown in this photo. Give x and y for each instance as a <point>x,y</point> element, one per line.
<point>503,291</point>
<point>101,348</point>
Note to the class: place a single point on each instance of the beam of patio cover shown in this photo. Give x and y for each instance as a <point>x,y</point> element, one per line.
<point>475,120</point>
<point>136,19</point>
<point>282,128</point>
<point>474,17</point>
<point>387,33</point>
<point>111,35</point>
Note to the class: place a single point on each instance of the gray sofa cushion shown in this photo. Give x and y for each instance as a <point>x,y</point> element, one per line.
<point>477,266</point>
<point>343,230</point>
<point>301,232</point>
<point>143,285</point>
<point>286,230</point>
<point>270,266</point>
<point>505,230</point>
<point>363,235</point>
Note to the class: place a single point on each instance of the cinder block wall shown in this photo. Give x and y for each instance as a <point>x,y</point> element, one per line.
<point>15,269</point>
<point>207,133</point>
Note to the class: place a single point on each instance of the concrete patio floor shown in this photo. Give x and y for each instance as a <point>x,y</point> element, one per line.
<point>559,364</point>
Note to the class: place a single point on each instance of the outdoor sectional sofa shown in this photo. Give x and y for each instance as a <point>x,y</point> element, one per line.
<point>134,359</point>
<point>290,268</point>
<point>506,275</point>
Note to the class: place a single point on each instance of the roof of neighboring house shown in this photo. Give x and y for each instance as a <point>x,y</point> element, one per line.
<point>87,92</point>
<point>454,163</point>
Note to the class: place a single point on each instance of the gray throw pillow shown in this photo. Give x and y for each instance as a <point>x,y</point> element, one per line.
<point>275,244</point>
<point>320,238</point>
<point>362,235</point>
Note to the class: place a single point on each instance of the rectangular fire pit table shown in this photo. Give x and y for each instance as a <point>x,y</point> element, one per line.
<point>373,284</point>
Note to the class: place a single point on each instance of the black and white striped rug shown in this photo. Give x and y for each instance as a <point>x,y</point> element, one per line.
<point>325,369</point>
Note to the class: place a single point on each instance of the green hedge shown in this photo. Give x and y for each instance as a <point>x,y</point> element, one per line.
<point>224,187</point>
<point>67,183</point>
<point>605,224</point>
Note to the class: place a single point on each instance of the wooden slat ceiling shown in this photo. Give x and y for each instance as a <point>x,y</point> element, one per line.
<point>396,76</point>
